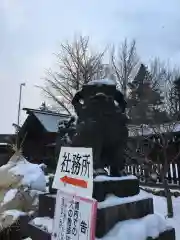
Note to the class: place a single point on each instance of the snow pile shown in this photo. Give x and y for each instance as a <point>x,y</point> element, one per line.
<point>45,223</point>
<point>160,207</point>
<point>14,213</point>
<point>9,195</point>
<point>32,174</point>
<point>138,229</point>
<point>19,171</point>
<point>20,184</point>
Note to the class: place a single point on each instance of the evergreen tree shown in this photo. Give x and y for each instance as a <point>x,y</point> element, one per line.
<point>144,99</point>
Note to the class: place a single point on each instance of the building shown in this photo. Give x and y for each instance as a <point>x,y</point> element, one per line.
<point>156,142</point>
<point>6,141</point>
<point>38,134</point>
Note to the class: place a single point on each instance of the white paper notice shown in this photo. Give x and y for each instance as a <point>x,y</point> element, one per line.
<point>75,218</point>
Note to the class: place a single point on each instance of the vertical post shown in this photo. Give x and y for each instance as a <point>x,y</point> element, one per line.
<point>19,105</point>
<point>19,110</point>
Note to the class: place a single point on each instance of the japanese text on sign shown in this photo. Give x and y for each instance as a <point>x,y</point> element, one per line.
<point>74,218</point>
<point>75,171</point>
<point>76,164</point>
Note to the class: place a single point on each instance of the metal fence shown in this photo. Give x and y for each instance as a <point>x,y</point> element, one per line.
<point>173,175</point>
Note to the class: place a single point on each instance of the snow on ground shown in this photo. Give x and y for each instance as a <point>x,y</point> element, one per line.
<point>158,188</point>
<point>160,207</point>
<point>138,229</point>
<point>44,223</point>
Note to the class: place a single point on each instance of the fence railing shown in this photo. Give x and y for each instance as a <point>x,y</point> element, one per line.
<point>150,176</point>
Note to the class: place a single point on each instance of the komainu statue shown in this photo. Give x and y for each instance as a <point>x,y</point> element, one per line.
<point>101,124</point>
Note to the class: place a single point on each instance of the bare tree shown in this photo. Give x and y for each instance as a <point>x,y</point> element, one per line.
<point>124,62</point>
<point>164,134</point>
<point>77,65</point>
<point>158,133</point>
<point>138,145</point>
<point>139,150</point>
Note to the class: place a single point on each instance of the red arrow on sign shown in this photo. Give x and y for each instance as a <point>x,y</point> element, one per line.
<point>74,181</point>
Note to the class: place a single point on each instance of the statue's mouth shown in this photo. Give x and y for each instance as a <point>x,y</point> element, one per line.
<point>99,96</point>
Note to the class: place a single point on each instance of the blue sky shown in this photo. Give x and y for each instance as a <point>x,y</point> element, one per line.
<point>31,30</point>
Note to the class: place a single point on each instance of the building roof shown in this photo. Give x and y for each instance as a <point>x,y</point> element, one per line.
<point>147,130</point>
<point>48,119</point>
<point>52,113</point>
<point>49,122</point>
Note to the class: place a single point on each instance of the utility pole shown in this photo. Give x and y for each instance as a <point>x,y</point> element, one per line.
<point>19,105</point>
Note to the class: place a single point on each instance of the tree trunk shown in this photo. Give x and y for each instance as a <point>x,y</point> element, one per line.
<point>166,188</point>
<point>169,199</point>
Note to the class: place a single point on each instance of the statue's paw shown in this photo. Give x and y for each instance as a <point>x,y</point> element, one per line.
<point>100,171</point>
<point>123,173</point>
<point>117,173</point>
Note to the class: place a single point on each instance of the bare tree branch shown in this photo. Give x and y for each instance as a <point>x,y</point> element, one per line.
<point>77,65</point>
<point>165,133</point>
<point>124,63</point>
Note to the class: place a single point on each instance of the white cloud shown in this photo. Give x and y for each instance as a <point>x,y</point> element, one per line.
<point>154,24</point>
<point>12,14</point>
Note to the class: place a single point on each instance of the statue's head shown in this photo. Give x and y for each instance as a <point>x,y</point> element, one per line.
<point>100,90</point>
<point>98,94</point>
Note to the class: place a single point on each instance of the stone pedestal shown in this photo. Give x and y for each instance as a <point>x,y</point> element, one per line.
<point>47,205</point>
<point>107,217</point>
<point>37,233</point>
<point>119,186</point>
<point>118,200</point>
